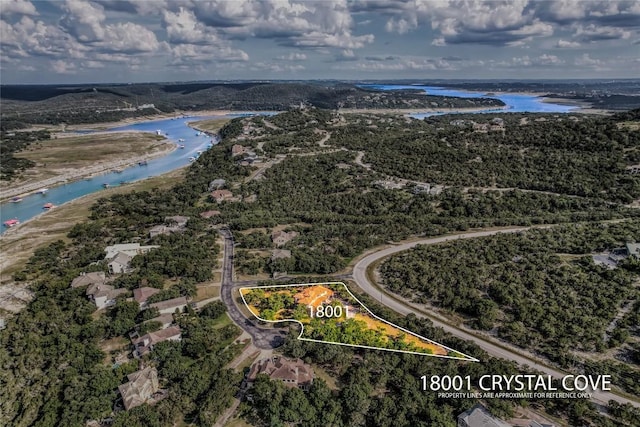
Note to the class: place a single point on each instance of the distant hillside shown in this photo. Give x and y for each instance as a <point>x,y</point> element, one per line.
<point>39,104</point>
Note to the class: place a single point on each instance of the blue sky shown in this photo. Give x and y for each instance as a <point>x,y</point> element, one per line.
<point>76,41</point>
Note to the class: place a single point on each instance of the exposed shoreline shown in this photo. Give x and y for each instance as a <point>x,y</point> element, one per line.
<point>83,173</point>
<point>100,169</point>
<point>421,110</point>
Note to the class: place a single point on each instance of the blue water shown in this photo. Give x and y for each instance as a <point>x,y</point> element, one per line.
<point>173,129</point>
<point>516,103</point>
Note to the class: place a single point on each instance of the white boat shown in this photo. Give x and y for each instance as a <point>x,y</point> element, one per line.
<point>158,132</point>
<point>42,191</point>
<point>181,140</point>
<point>181,145</point>
<point>16,199</point>
<point>191,159</point>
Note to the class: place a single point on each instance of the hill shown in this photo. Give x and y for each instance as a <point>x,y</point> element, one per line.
<point>39,104</point>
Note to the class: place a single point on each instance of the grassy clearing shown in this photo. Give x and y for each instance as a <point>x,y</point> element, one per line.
<point>211,125</point>
<point>79,151</point>
<point>18,244</point>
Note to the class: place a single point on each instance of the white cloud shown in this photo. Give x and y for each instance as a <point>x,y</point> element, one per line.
<point>183,27</point>
<point>17,7</point>
<point>592,32</point>
<point>63,67</point>
<point>586,60</point>
<point>293,56</point>
<point>566,44</point>
<point>83,20</point>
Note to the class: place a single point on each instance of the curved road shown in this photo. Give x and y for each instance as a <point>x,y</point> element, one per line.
<point>262,338</point>
<point>403,307</point>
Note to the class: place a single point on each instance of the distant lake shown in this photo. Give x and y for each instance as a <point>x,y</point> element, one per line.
<point>173,129</point>
<point>516,103</point>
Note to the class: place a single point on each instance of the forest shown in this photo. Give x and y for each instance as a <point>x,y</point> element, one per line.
<point>539,289</point>
<point>56,373</point>
<point>585,156</point>
<point>13,142</point>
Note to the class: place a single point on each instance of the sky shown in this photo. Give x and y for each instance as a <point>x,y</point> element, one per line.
<point>82,41</point>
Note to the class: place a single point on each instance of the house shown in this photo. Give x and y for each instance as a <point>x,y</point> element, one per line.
<point>237,150</point>
<point>282,237</point>
<point>209,214</point>
<point>103,295</point>
<point>165,320</point>
<point>480,127</point>
<point>292,372</point>
<point>313,296</point>
<point>120,264</point>
<point>142,385</point>
<point>633,249</point>
<point>145,343</point>
<point>177,220</point>
<point>221,195</point>
<point>217,184</point>
<point>86,279</point>
<point>170,306</point>
<point>478,416</point>
<point>173,224</point>
<point>131,249</point>
<point>141,295</point>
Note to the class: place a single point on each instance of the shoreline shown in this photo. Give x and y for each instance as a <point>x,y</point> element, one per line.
<point>82,174</point>
<point>421,110</point>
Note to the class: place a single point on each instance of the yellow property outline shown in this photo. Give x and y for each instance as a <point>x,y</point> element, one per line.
<point>465,358</point>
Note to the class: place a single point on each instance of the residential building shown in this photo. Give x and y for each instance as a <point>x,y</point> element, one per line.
<point>173,224</point>
<point>142,385</point>
<point>103,295</point>
<point>217,184</point>
<point>313,296</point>
<point>145,343</point>
<point>177,220</point>
<point>171,305</point>
<point>479,416</point>
<point>633,249</point>
<point>86,279</point>
<point>120,264</point>
<point>282,237</point>
<point>131,249</point>
<point>292,372</point>
<point>165,320</point>
<point>238,150</point>
<point>221,195</point>
<point>142,294</point>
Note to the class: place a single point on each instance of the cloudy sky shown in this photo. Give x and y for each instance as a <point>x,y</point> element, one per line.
<point>170,40</point>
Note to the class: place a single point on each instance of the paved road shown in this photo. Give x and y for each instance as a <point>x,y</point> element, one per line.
<point>262,338</point>
<point>404,307</point>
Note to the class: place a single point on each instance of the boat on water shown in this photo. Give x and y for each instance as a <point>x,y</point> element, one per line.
<point>16,199</point>
<point>181,140</point>
<point>181,145</point>
<point>106,185</point>
<point>48,206</point>
<point>199,152</point>
<point>158,132</point>
<point>142,163</point>
<point>42,191</point>
<point>11,222</point>
<point>192,159</point>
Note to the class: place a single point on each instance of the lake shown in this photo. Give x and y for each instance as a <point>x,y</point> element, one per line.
<point>516,102</point>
